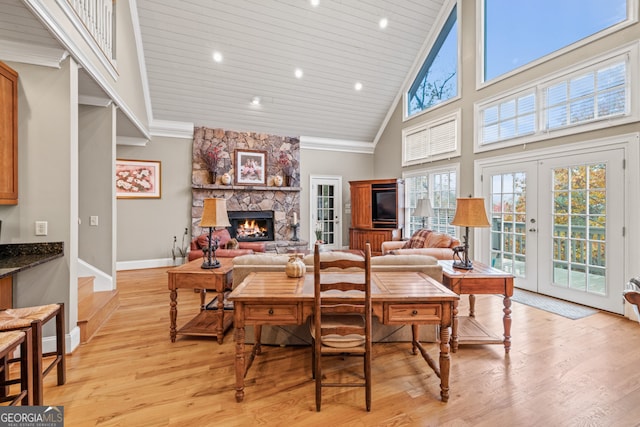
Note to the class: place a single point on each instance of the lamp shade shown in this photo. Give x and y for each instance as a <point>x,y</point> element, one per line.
<point>470,212</point>
<point>423,208</point>
<point>214,213</point>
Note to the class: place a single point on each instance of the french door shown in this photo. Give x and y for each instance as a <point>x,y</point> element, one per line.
<point>557,225</point>
<point>325,210</point>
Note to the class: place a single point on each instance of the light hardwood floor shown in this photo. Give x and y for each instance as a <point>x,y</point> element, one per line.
<point>560,372</point>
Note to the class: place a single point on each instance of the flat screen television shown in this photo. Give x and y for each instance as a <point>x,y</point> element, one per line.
<point>384,206</point>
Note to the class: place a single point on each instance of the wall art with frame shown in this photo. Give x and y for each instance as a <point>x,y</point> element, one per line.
<point>251,166</point>
<point>138,179</point>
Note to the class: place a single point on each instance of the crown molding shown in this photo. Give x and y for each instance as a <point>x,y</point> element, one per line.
<point>28,53</point>
<point>171,129</point>
<point>131,141</point>
<point>330,144</point>
<point>95,101</point>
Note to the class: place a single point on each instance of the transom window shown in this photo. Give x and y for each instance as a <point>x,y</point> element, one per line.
<point>509,118</point>
<point>586,97</point>
<point>598,93</point>
<point>517,33</point>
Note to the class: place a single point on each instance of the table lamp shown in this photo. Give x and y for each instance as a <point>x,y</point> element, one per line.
<point>423,209</point>
<point>470,212</point>
<point>214,214</point>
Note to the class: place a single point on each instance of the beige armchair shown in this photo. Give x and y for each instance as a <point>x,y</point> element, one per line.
<point>423,242</point>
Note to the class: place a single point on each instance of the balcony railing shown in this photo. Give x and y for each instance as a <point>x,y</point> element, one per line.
<point>97,17</point>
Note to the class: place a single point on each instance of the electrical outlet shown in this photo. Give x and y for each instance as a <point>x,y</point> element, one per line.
<point>94,220</point>
<point>41,228</point>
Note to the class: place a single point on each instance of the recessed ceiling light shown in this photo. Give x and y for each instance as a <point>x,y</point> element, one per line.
<point>217,56</point>
<point>298,73</point>
<point>357,86</point>
<point>383,23</point>
<point>255,100</point>
<point>315,3</point>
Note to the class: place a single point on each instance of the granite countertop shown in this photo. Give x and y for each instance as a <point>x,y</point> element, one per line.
<point>16,257</point>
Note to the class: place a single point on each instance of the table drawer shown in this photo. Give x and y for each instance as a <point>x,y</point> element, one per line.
<point>414,313</point>
<point>276,313</point>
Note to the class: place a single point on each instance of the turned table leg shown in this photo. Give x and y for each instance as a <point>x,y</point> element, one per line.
<point>240,363</point>
<point>454,328</point>
<point>173,313</point>
<point>507,323</point>
<point>445,363</point>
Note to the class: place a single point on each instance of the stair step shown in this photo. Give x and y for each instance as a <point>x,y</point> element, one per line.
<point>85,287</point>
<point>94,310</point>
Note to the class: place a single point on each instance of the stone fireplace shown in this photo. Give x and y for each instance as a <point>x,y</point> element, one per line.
<point>278,201</point>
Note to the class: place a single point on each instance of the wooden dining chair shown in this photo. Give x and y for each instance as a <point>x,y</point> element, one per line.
<point>341,323</point>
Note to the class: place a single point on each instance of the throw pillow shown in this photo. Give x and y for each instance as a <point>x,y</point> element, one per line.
<point>223,236</point>
<point>437,240</point>
<point>417,240</point>
<point>232,244</point>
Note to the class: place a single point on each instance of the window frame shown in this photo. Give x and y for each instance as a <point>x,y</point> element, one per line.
<point>453,116</point>
<point>630,53</point>
<point>430,173</point>
<point>428,47</point>
<point>632,18</point>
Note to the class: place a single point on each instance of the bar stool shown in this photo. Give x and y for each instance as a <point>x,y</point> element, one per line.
<point>9,342</point>
<point>33,318</point>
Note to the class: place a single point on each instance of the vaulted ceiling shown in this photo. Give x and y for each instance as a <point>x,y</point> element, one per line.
<point>336,44</point>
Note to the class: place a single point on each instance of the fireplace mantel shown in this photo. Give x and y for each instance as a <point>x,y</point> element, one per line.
<point>242,187</point>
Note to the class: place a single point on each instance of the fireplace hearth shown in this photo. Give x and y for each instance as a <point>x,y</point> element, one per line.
<point>251,226</point>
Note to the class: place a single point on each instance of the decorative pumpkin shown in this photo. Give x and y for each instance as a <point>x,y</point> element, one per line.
<point>295,266</point>
<point>277,181</point>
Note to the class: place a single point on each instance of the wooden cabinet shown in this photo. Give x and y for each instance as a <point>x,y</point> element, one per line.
<point>360,205</point>
<point>8,136</point>
<point>377,213</point>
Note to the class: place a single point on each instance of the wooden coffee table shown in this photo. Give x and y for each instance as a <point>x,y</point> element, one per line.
<point>191,276</point>
<point>481,280</point>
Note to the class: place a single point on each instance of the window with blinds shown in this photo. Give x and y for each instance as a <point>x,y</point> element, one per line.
<point>435,140</point>
<point>587,97</point>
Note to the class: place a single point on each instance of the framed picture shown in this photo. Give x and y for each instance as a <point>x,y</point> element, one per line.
<point>137,179</point>
<point>251,166</point>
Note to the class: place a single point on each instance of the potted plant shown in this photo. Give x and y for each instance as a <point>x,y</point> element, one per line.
<point>287,169</point>
<point>181,251</point>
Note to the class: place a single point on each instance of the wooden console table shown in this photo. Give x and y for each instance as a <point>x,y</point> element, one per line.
<point>191,276</point>
<point>481,280</point>
<point>398,298</point>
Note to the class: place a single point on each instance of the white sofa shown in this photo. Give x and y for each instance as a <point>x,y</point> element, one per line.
<point>299,334</point>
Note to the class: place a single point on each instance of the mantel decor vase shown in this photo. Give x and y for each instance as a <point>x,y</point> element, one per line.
<point>226,178</point>
<point>213,176</point>
<point>295,266</point>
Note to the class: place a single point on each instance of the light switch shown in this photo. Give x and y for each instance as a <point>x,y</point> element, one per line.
<point>94,220</point>
<point>41,228</point>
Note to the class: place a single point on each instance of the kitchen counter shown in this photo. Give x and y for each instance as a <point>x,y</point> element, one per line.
<point>16,257</point>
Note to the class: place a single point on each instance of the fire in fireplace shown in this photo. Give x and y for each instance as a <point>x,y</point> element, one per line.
<point>251,226</point>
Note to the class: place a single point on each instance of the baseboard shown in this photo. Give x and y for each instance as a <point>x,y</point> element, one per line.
<point>72,341</point>
<point>149,263</point>
<point>101,282</point>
